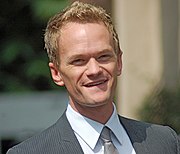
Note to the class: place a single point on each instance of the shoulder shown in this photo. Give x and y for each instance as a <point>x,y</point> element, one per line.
<point>151,135</point>
<point>39,142</point>
<point>145,126</point>
<point>50,140</point>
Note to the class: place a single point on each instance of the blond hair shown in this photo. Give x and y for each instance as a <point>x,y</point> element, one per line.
<point>77,12</point>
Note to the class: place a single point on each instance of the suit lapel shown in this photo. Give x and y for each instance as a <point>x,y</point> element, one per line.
<point>67,136</point>
<point>134,129</point>
<point>137,134</point>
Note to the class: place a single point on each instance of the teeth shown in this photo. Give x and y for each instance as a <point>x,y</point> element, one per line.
<point>94,84</point>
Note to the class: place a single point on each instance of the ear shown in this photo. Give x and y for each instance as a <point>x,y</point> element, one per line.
<point>56,75</point>
<point>119,63</point>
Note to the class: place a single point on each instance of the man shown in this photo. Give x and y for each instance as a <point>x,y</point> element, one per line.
<point>85,57</point>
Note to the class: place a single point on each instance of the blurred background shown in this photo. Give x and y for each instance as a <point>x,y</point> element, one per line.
<point>148,88</point>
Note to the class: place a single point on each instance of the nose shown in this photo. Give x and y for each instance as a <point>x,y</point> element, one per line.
<point>93,68</point>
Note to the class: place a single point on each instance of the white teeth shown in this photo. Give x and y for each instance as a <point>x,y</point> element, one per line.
<point>95,83</point>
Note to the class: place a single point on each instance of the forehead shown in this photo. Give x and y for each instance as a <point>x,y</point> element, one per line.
<point>90,36</point>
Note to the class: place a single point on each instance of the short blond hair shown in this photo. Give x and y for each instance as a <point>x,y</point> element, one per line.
<point>77,12</point>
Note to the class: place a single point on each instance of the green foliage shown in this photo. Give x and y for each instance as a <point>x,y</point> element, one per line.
<point>163,107</point>
<point>45,8</point>
<point>23,61</point>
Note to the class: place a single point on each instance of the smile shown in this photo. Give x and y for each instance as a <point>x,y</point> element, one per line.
<point>91,84</point>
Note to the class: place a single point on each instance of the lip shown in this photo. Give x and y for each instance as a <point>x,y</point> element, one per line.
<point>95,83</point>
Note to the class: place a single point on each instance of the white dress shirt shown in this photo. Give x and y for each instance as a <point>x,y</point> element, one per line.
<point>88,132</point>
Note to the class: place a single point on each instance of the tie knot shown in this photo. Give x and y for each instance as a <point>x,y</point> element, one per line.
<point>105,134</point>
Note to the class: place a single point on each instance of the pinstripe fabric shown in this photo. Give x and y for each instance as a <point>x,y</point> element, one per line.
<point>60,139</point>
<point>150,138</point>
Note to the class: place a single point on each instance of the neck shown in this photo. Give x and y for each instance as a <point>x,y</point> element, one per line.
<point>100,113</point>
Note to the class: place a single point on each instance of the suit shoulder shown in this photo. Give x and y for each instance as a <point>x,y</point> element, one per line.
<point>151,127</point>
<point>39,141</point>
<point>153,135</point>
<point>59,138</point>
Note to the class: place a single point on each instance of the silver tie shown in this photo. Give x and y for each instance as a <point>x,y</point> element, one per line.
<point>109,148</point>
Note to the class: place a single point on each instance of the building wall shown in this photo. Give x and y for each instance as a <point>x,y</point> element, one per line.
<point>148,32</point>
<point>139,27</point>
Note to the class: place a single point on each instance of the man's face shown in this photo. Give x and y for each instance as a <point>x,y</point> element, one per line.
<point>88,64</point>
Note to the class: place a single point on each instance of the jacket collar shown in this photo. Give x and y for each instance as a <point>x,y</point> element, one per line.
<point>134,129</point>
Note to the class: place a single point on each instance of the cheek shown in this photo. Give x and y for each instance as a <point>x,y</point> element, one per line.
<point>78,72</point>
<point>72,76</point>
<point>112,70</point>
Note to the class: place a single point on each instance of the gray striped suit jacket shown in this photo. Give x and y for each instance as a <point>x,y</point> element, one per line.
<point>59,139</point>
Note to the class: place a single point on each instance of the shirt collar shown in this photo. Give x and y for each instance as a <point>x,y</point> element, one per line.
<point>116,127</point>
<point>85,127</point>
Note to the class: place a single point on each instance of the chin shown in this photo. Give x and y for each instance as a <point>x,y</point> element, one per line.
<point>96,103</point>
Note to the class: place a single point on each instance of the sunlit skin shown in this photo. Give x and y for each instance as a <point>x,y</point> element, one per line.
<point>88,69</point>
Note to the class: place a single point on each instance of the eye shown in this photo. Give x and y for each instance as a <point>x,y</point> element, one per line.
<point>78,62</point>
<point>104,57</point>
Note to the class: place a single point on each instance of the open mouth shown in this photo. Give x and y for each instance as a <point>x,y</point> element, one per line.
<point>97,83</point>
